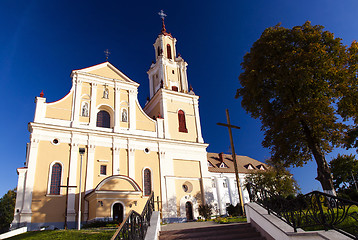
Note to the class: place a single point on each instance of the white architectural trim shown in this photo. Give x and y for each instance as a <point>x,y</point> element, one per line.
<point>93,111</point>
<point>124,208</point>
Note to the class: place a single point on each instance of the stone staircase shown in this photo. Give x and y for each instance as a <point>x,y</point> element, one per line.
<point>242,231</point>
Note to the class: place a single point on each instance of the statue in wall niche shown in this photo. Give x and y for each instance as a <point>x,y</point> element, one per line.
<point>124,115</point>
<point>85,110</point>
<point>105,93</point>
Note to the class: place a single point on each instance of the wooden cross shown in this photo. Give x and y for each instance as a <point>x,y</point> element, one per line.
<point>67,187</point>
<point>107,54</point>
<point>229,126</point>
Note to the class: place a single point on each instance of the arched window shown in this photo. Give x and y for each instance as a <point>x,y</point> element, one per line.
<point>169,51</point>
<point>159,51</point>
<point>55,179</point>
<point>182,123</point>
<point>147,182</point>
<point>103,119</point>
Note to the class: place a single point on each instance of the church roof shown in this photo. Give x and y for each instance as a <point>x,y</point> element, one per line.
<point>245,164</point>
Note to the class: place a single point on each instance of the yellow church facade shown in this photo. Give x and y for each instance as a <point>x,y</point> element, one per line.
<point>129,151</point>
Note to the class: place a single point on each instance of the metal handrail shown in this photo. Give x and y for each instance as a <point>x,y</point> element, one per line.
<point>312,210</point>
<point>135,225</point>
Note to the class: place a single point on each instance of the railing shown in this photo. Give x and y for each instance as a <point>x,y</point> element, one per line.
<point>135,225</point>
<point>312,211</point>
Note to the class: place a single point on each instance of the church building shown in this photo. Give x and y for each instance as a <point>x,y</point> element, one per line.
<point>98,145</point>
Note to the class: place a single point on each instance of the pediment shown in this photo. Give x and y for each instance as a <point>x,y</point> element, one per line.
<point>106,70</point>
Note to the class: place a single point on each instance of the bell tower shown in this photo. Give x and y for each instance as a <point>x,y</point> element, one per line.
<point>169,70</point>
<point>170,97</point>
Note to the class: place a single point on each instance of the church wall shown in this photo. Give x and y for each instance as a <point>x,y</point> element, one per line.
<point>173,77</point>
<point>148,160</point>
<point>103,156</point>
<point>191,135</point>
<point>185,168</point>
<point>101,100</point>
<point>194,191</point>
<point>154,112</point>
<point>43,203</point>
<point>143,122</point>
<point>61,109</point>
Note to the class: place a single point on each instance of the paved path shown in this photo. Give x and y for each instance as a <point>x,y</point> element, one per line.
<point>188,225</point>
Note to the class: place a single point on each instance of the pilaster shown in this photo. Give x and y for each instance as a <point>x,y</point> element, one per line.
<point>77,104</point>
<point>132,110</point>
<point>19,195</point>
<point>90,167</point>
<point>131,160</point>
<point>115,159</point>
<point>93,116</point>
<point>117,109</point>
<point>71,212</point>
<point>197,121</point>
<point>26,212</point>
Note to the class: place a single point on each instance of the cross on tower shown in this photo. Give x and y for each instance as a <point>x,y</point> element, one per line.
<point>106,53</point>
<point>162,14</point>
<point>229,126</point>
<point>67,187</point>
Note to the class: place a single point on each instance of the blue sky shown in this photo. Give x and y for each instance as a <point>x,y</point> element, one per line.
<point>41,42</point>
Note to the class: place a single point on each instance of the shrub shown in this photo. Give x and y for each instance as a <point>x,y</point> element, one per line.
<point>234,210</point>
<point>205,210</point>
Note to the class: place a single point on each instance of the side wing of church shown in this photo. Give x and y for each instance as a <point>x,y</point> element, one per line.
<point>128,151</point>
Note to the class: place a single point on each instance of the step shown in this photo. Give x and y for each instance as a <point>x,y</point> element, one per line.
<point>232,231</point>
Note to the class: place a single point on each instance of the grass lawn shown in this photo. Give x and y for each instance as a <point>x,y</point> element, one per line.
<point>224,220</point>
<point>66,234</point>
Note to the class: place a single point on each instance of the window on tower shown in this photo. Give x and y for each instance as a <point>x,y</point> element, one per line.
<point>103,119</point>
<point>182,123</point>
<point>169,51</point>
<point>56,179</point>
<point>147,179</point>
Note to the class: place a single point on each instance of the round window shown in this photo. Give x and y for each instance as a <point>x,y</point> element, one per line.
<point>146,150</point>
<point>55,141</point>
<point>185,187</point>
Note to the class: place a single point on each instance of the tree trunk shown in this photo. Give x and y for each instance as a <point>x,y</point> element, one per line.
<point>324,175</point>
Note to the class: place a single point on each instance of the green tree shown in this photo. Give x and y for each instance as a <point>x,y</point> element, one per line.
<point>343,168</point>
<point>291,82</point>
<point>275,179</point>
<point>7,206</point>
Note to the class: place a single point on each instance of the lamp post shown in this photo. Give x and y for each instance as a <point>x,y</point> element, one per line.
<point>82,151</point>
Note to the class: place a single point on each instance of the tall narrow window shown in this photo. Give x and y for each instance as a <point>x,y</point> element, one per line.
<point>182,123</point>
<point>147,182</point>
<point>103,170</point>
<point>169,52</point>
<point>55,179</point>
<point>103,119</point>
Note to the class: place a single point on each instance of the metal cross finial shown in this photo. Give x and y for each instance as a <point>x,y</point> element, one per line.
<point>162,14</point>
<point>107,54</point>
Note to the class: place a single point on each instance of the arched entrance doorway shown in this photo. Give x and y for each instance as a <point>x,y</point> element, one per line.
<point>118,212</point>
<point>189,211</point>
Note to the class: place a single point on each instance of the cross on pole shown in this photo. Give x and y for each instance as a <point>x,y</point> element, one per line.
<point>162,14</point>
<point>106,53</point>
<point>67,187</point>
<point>229,126</point>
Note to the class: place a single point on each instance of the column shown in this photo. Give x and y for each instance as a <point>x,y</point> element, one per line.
<point>117,109</point>
<point>77,103</point>
<point>197,121</point>
<point>115,159</point>
<point>71,212</point>
<point>132,110</point>
<point>25,215</point>
<point>93,115</point>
